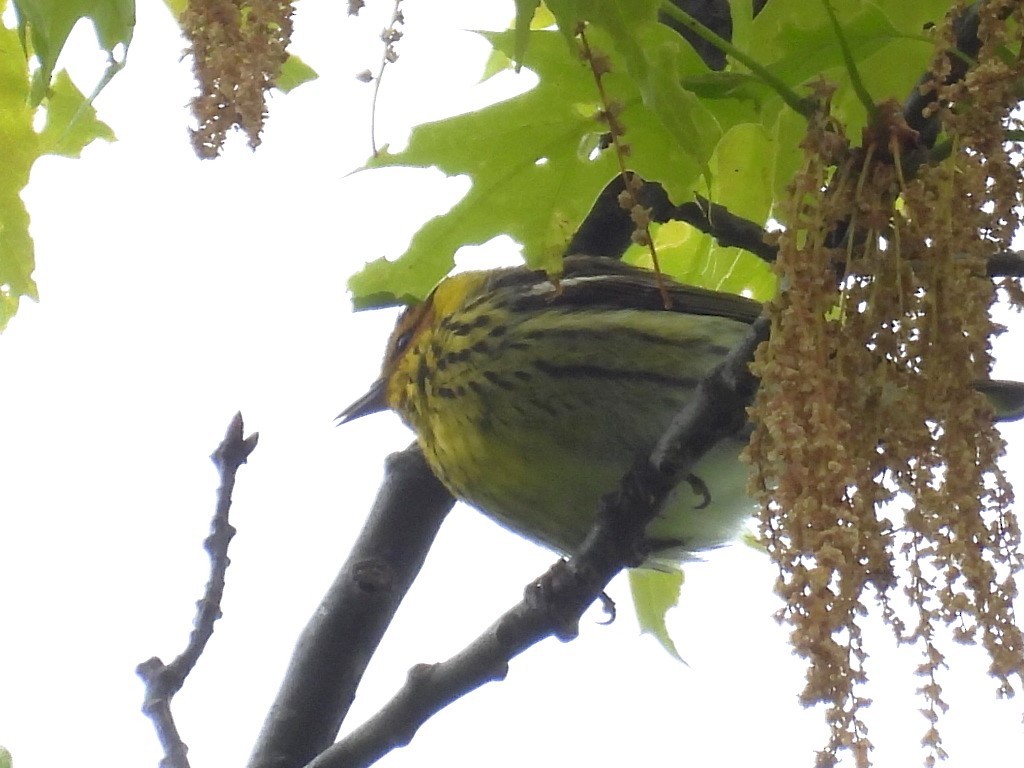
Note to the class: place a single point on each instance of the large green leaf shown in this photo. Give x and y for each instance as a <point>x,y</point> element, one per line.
<point>534,165</point>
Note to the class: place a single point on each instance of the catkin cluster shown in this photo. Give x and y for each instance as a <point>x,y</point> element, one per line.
<point>238,48</point>
<point>875,457</point>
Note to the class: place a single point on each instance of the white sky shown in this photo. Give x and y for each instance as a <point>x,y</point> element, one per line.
<point>175,293</point>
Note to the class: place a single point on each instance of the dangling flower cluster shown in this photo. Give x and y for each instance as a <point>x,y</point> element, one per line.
<point>814,526</point>
<point>238,48</point>
<point>875,455</point>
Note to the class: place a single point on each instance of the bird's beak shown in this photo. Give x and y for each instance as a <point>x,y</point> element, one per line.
<point>374,401</point>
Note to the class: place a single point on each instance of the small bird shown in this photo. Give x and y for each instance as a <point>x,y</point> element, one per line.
<point>532,397</point>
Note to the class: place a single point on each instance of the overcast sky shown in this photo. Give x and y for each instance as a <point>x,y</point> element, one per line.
<point>175,292</point>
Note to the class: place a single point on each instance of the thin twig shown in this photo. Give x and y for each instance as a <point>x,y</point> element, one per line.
<point>165,680</point>
<point>389,37</point>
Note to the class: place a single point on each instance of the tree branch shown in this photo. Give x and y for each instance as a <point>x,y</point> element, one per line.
<point>334,649</point>
<point>164,680</point>
<point>607,228</point>
<point>924,95</point>
<point>1006,264</point>
<point>730,230</point>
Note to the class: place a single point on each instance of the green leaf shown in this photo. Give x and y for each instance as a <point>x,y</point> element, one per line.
<point>534,167</point>
<point>742,169</point>
<point>657,60</point>
<point>70,124</point>
<point>17,258</point>
<point>654,594</point>
<point>525,9</point>
<point>47,23</point>
<point>741,181</point>
<point>795,39</point>
<point>294,72</point>
<point>5,759</point>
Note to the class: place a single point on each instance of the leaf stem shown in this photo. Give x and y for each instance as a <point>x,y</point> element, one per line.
<point>851,67</point>
<point>800,105</point>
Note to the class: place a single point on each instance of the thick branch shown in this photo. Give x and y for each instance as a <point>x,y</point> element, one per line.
<point>730,230</point>
<point>606,230</point>
<point>554,604</point>
<point>341,637</point>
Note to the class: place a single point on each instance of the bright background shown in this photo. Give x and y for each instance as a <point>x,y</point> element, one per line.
<point>176,292</point>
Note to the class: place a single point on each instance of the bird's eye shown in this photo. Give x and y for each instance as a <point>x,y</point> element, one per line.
<point>402,341</point>
<point>408,326</point>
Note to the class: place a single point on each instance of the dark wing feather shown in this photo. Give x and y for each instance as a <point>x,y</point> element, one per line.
<point>598,282</point>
